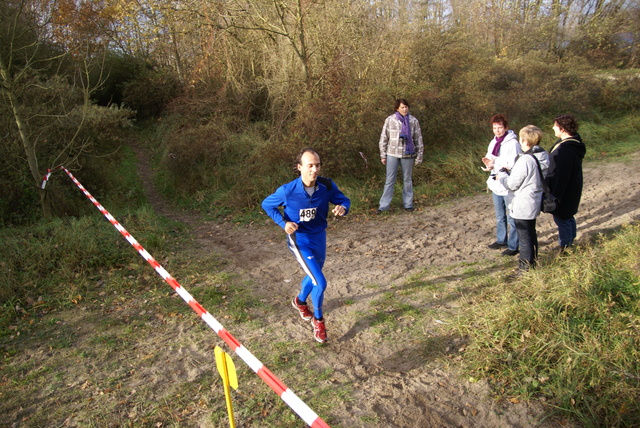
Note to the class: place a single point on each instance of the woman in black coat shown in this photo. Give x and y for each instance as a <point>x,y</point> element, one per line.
<point>565,176</point>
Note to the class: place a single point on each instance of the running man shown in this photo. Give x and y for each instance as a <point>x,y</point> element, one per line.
<point>305,207</point>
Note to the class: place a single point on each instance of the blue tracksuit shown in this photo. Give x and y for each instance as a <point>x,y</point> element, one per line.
<point>308,243</point>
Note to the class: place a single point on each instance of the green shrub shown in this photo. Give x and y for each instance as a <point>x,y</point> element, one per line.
<point>341,131</point>
<point>215,159</point>
<point>191,157</point>
<point>618,92</point>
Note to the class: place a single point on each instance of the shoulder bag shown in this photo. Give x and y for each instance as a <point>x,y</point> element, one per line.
<point>549,202</point>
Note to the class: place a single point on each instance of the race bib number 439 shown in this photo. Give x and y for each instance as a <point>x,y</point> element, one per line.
<point>308,214</point>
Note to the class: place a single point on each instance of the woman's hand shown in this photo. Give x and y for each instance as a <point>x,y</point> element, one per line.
<point>488,164</point>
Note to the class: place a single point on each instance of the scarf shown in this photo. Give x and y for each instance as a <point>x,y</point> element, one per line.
<point>405,133</point>
<point>499,140</point>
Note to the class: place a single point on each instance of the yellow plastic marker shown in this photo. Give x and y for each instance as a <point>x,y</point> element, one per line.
<point>227,371</point>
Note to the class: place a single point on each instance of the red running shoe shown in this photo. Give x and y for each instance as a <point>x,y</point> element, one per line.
<point>302,308</point>
<point>319,330</point>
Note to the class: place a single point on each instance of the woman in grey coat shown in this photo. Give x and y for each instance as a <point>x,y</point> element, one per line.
<point>525,185</point>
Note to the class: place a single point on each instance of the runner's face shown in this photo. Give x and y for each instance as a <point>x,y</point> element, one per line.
<point>309,168</point>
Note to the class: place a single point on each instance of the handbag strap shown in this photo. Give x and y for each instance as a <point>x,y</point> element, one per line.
<point>556,146</point>
<point>545,188</point>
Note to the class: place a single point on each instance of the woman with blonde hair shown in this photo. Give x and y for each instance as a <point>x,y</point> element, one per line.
<point>525,183</point>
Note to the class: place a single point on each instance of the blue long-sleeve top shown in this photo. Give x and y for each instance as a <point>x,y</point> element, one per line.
<point>309,212</point>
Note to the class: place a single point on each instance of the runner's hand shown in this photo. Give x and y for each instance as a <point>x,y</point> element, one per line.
<point>290,227</point>
<point>339,210</point>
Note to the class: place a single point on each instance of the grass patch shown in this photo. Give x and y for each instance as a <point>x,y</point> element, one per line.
<point>612,138</point>
<point>65,258</point>
<point>569,334</point>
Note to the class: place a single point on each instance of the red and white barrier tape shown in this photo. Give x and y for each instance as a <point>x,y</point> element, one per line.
<point>288,396</point>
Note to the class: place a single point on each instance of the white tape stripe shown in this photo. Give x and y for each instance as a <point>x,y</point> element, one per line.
<point>163,273</point>
<point>212,322</point>
<point>45,179</point>
<point>145,254</point>
<point>184,294</point>
<point>249,358</point>
<point>307,415</point>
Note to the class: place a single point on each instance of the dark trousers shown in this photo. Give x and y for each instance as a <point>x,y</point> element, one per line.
<point>528,239</point>
<point>566,230</point>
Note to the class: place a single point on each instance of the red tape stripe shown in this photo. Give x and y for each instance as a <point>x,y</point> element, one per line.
<point>272,380</point>
<point>319,423</point>
<point>172,282</point>
<point>197,307</point>
<point>231,341</point>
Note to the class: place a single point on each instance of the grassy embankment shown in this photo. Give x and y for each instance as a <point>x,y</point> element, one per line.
<point>567,335</point>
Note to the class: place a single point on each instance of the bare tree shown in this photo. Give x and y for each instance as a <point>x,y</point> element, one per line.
<point>48,112</point>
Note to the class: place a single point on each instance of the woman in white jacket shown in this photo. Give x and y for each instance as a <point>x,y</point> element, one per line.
<point>525,185</point>
<point>502,153</point>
